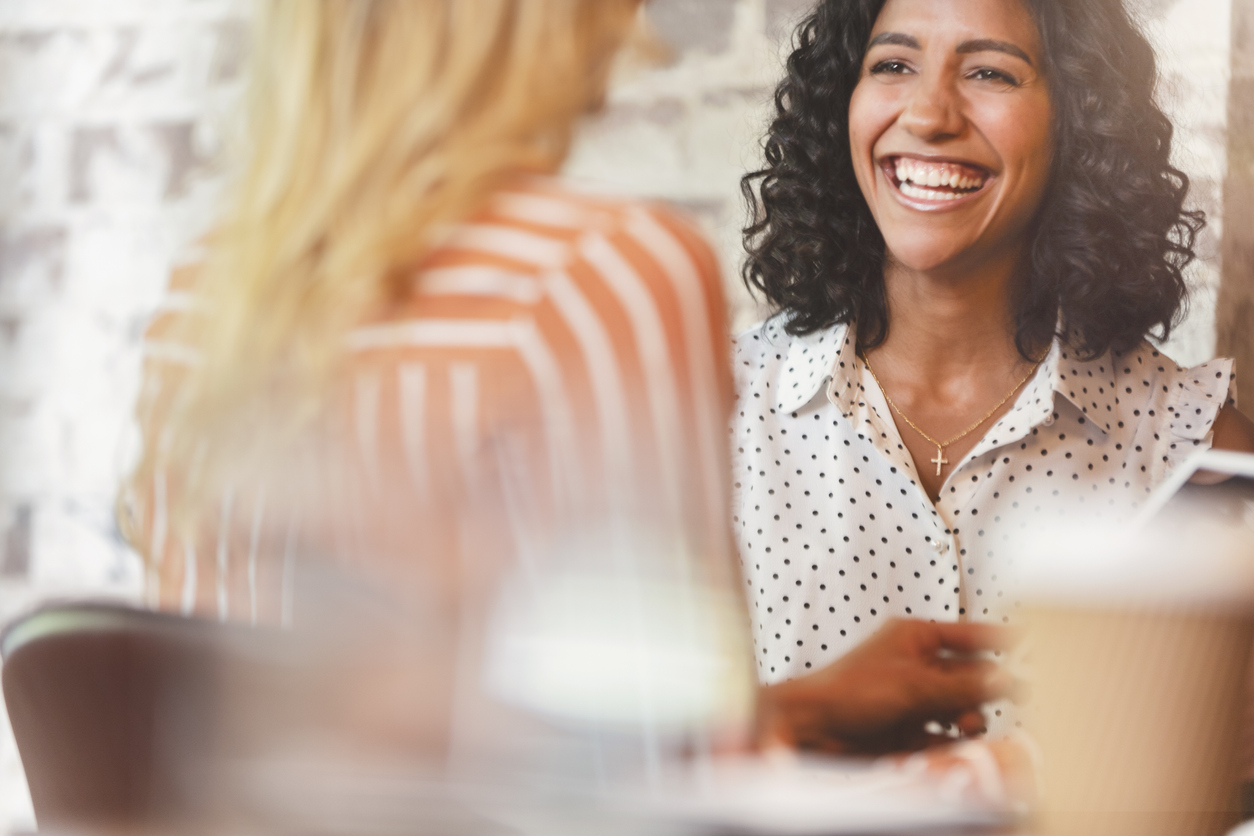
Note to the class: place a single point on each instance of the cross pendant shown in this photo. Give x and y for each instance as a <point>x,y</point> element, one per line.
<point>940,460</point>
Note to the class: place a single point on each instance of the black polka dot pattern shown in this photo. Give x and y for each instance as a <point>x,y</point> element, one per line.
<point>836,535</point>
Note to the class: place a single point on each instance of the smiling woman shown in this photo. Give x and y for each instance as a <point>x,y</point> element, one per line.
<point>1111,227</point>
<point>975,199</point>
<point>950,135</point>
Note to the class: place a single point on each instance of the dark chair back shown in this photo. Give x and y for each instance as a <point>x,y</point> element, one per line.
<point>103,701</point>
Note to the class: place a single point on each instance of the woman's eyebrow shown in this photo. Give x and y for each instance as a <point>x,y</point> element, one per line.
<point>894,39</point>
<point>986,45</point>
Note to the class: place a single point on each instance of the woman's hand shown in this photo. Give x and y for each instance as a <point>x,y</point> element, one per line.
<point>882,696</point>
<point>999,773</point>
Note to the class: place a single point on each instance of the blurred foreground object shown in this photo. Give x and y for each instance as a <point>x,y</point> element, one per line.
<point>128,719</point>
<point>1139,644</point>
<point>86,688</point>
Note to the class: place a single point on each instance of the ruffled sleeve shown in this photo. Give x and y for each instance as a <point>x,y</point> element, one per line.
<point>1195,397</point>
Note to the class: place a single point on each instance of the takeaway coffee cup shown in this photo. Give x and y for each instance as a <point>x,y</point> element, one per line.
<point>1137,648</point>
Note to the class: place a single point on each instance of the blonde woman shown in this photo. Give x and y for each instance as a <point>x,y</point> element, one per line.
<point>412,361</point>
<point>411,356</point>
<point>399,287</point>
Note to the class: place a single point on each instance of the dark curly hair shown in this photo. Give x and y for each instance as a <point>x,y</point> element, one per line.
<point>1109,243</point>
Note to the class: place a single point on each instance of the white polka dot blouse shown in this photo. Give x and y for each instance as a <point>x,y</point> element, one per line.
<point>835,533</point>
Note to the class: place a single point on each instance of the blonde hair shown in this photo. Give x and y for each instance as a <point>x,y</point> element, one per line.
<point>372,124</point>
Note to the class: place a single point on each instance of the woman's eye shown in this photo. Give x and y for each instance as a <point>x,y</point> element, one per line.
<point>989,74</point>
<point>890,67</point>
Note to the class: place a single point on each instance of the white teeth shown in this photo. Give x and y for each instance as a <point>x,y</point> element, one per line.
<point>921,180</point>
<point>911,190</point>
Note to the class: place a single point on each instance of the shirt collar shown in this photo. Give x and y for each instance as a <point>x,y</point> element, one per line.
<point>813,359</point>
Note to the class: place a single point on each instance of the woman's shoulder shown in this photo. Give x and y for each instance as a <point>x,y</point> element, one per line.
<point>759,353</point>
<point>760,340</point>
<point>1147,371</point>
<point>1141,375</point>
<point>537,240</point>
<point>1179,403</point>
<point>767,356</point>
<point>560,211</point>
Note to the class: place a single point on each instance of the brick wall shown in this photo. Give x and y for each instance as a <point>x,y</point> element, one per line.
<point>107,131</point>
<point>1236,318</point>
<point>111,113</point>
<point>1192,38</point>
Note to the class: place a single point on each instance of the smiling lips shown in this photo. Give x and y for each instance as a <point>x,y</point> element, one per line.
<point>932,181</point>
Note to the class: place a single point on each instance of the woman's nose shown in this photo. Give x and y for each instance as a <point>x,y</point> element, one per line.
<point>933,111</point>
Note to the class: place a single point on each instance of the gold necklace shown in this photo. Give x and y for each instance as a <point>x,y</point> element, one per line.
<point>940,461</point>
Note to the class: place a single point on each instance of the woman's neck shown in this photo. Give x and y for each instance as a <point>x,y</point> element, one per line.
<point>950,356</point>
<point>950,323</point>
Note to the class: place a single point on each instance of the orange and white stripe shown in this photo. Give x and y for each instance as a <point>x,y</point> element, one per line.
<point>560,357</point>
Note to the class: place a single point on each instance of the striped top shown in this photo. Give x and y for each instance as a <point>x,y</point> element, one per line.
<point>560,358</point>
<point>543,417</point>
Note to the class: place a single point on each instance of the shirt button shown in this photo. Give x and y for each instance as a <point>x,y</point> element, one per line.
<point>940,546</point>
<point>1049,421</point>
